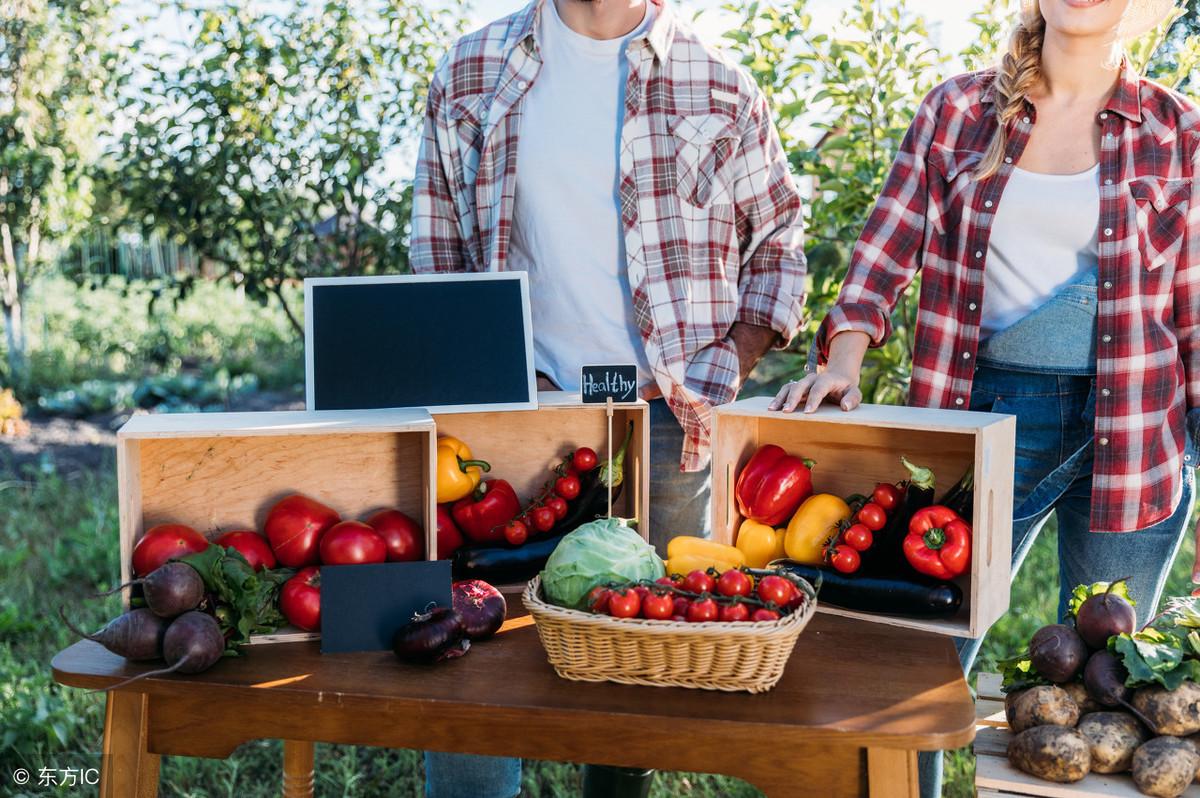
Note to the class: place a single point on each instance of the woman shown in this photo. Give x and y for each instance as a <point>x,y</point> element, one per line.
<point>1052,206</point>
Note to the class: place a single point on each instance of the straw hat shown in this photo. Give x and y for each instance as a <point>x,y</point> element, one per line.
<point>1140,17</point>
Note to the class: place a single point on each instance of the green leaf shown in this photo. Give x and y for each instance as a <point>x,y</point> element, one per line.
<point>1018,673</point>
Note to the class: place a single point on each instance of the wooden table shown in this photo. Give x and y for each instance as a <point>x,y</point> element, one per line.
<point>857,701</point>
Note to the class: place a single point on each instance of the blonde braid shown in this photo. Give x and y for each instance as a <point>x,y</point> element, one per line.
<point>1019,72</point>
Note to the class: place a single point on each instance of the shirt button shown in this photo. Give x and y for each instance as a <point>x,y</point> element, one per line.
<point>1111,136</point>
<point>523,85</point>
<point>1108,181</point>
<point>1025,120</point>
<point>1104,114</point>
<point>1105,392</point>
<point>966,355</point>
<point>971,306</point>
<point>978,254</point>
<point>1008,160</point>
<point>987,204</point>
<point>1103,441</point>
<point>958,401</point>
<point>1108,231</point>
<point>1108,284</point>
<point>1106,338</point>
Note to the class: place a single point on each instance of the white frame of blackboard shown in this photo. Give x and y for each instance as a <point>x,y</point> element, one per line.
<point>527,321</point>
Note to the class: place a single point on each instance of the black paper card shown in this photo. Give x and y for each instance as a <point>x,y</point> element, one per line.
<point>362,606</point>
<point>598,383</point>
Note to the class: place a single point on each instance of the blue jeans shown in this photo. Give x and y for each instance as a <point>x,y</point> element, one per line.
<point>1053,474</point>
<point>679,505</point>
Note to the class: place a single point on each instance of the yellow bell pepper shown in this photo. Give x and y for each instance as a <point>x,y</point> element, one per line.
<point>758,542</point>
<point>813,526</point>
<point>457,473</point>
<point>780,537</point>
<point>686,554</point>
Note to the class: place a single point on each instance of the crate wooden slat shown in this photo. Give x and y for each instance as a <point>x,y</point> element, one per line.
<point>221,471</point>
<point>853,451</point>
<point>524,445</point>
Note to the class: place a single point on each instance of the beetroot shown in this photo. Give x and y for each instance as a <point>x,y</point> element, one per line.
<point>170,589</point>
<point>481,606</point>
<point>192,643</point>
<point>432,637</point>
<point>135,635</point>
<point>1104,677</point>
<point>1103,616</point>
<point>1057,652</point>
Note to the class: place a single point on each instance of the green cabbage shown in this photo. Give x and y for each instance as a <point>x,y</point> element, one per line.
<point>594,554</point>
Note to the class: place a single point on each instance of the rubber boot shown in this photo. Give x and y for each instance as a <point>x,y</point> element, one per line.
<point>605,781</point>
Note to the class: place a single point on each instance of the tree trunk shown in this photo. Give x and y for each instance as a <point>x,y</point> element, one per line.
<point>10,300</point>
<point>277,289</point>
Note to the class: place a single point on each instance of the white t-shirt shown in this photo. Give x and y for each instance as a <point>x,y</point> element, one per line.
<point>1044,236</point>
<point>567,229</point>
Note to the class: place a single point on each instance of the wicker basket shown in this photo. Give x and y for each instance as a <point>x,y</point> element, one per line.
<point>711,656</point>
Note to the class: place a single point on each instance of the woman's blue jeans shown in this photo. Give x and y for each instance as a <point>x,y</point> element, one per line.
<point>1055,415</point>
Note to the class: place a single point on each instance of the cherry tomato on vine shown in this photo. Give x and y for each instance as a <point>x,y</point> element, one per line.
<point>775,589</point>
<point>667,581</point>
<point>735,583</point>
<point>597,599</point>
<point>516,533</point>
<point>797,598</point>
<point>702,610</point>
<point>584,459</point>
<point>858,537</point>
<point>845,559</point>
<point>887,496</point>
<point>764,614</point>
<point>734,612</point>
<point>543,519</point>
<point>642,591</point>
<point>698,582</point>
<point>558,506</point>
<point>872,516</point>
<point>567,487</point>
<point>658,606</point>
<point>679,605</point>
<point>624,604</point>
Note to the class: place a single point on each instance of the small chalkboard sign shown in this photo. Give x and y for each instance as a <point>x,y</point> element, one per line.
<point>362,606</point>
<point>598,384</point>
<point>448,342</point>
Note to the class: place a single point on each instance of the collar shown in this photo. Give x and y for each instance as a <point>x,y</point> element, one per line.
<point>660,35</point>
<point>1126,98</point>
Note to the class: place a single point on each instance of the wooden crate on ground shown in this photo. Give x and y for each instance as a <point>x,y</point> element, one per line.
<point>523,446</point>
<point>995,778</point>
<point>217,472</point>
<point>854,451</point>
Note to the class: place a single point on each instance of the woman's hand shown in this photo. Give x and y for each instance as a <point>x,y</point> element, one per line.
<point>837,382</point>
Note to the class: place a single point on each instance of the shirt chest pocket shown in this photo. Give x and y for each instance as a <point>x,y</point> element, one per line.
<point>1160,208</point>
<point>467,118</point>
<point>706,150</point>
<point>951,186</point>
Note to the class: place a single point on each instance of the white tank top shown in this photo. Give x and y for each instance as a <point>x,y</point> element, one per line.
<point>1044,236</point>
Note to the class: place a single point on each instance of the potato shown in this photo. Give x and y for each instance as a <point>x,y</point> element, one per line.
<point>1195,741</point>
<point>1079,695</point>
<point>1010,703</point>
<point>1044,706</point>
<point>1171,712</point>
<point>1052,753</point>
<point>1164,767</point>
<point>1113,738</point>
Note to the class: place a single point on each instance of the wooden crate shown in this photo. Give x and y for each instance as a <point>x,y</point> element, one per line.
<point>854,451</point>
<point>221,471</point>
<point>995,778</point>
<point>524,445</point>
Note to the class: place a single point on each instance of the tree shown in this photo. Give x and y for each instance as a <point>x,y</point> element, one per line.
<point>58,68</point>
<point>273,147</point>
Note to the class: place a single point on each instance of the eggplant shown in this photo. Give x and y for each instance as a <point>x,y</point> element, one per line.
<point>500,563</point>
<point>590,504</point>
<point>961,497</point>
<point>892,596</point>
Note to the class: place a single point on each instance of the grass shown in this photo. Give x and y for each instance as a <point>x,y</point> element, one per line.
<point>58,544</point>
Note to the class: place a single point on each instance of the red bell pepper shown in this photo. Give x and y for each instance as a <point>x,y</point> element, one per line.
<point>772,485</point>
<point>483,514</point>
<point>449,538</point>
<point>938,543</point>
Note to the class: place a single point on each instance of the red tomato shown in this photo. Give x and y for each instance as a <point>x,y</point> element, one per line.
<point>558,505</point>
<point>300,599</point>
<point>584,459</point>
<point>295,526</point>
<point>764,614</point>
<point>449,538</point>
<point>845,559</point>
<point>666,581</point>
<point>162,542</point>
<point>251,545</point>
<point>567,487</point>
<point>698,582</point>
<point>642,591</point>
<point>597,599</point>
<point>624,604</point>
<point>515,532</point>
<point>352,543</point>
<point>403,536</point>
<point>702,610</point>
<point>873,516</point>
<point>735,583</point>
<point>797,598</point>
<point>887,496</point>
<point>542,519</point>
<point>858,537</point>
<point>680,605</point>
<point>734,613</point>
<point>658,606</point>
<point>774,589</point>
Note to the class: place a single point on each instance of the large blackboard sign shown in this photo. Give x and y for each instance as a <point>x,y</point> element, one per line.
<point>597,384</point>
<point>446,342</point>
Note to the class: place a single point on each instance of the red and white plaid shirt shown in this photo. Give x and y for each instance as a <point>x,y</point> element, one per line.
<point>712,218</point>
<point>935,216</point>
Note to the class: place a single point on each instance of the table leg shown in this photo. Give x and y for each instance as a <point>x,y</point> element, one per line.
<point>297,769</point>
<point>892,773</point>
<point>127,769</point>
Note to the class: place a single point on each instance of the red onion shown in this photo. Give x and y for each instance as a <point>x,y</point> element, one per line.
<point>432,637</point>
<point>481,606</point>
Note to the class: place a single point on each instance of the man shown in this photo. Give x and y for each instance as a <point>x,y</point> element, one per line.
<point>636,175</point>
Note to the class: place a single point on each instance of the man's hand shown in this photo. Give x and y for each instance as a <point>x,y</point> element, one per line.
<point>751,342</point>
